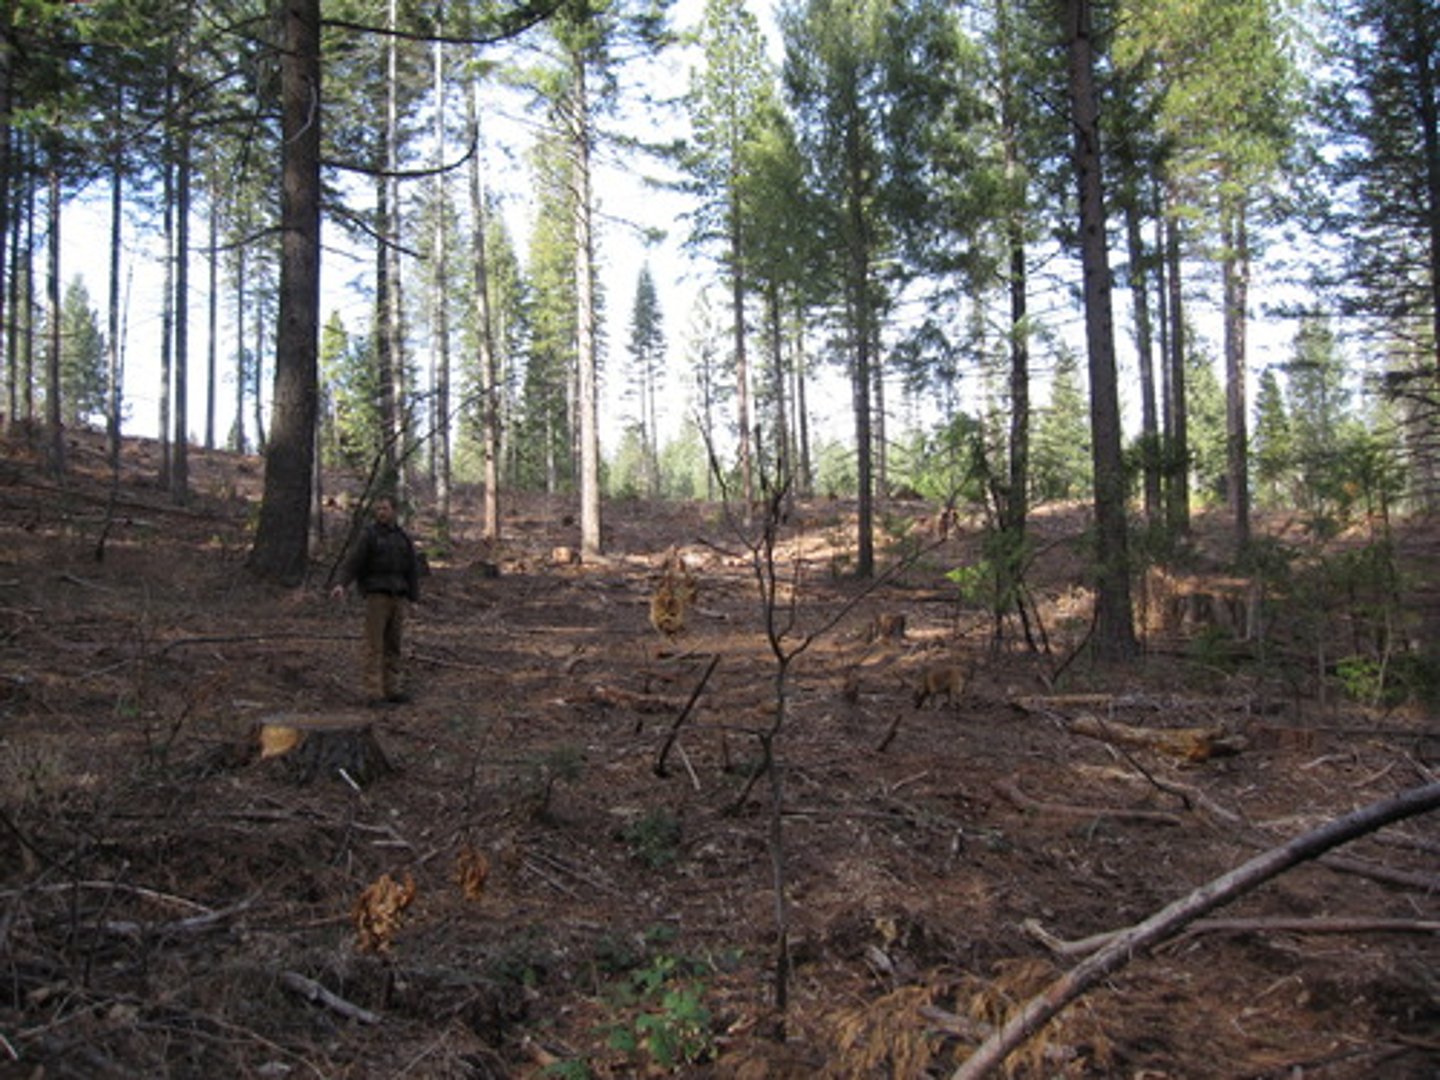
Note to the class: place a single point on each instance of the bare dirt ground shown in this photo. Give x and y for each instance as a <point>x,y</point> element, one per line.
<point>172,904</point>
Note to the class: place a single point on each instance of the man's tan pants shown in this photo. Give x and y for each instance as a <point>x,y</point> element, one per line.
<point>384,627</point>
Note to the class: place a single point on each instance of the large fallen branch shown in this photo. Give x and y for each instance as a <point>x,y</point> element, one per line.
<point>1258,925</point>
<point>1193,744</point>
<point>1114,955</point>
<point>1010,791</point>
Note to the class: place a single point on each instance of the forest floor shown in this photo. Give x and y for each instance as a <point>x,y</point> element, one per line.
<point>589,902</point>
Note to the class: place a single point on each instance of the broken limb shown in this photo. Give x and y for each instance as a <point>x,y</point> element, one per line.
<point>1114,955</point>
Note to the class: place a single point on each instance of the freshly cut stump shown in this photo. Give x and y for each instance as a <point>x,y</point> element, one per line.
<point>306,747</point>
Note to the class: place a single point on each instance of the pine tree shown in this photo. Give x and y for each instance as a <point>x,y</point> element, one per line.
<point>647,368</point>
<point>83,379</point>
<point>1274,442</point>
<point>1061,465</point>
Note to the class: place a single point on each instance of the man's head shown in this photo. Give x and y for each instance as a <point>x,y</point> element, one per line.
<point>385,510</point>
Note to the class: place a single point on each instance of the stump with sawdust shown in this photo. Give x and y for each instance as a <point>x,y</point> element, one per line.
<point>304,748</point>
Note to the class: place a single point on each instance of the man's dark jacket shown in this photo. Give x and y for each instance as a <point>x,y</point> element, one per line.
<point>384,561</point>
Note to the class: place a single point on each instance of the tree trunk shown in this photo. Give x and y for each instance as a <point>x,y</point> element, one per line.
<point>238,442</point>
<point>802,417</point>
<point>588,401</point>
<point>1145,356</point>
<point>280,551</point>
<point>54,416</point>
<point>212,307</point>
<point>7,192</point>
<point>742,365</point>
<point>782,428</point>
<point>858,301</point>
<point>167,300</point>
<point>1114,626</point>
<point>257,371</point>
<point>487,361</point>
<point>114,381</point>
<point>1425,95</point>
<point>440,406</point>
<point>180,459</point>
<point>1177,453</point>
<point>1235,271</point>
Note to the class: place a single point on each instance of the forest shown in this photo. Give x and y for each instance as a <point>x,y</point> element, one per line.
<point>738,747</point>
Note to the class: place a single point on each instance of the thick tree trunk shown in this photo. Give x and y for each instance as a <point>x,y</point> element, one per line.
<point>1425,101</point>
<point>588,397</point>
<point>7,51</point>
<point>440,407</point>
<point>280,551</point>
<point>1114,626</point>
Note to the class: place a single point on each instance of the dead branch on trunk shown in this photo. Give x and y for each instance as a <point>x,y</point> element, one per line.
<point>1166,922</point>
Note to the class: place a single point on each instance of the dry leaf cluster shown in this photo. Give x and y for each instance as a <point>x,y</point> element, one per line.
<point>472,870</point>
<point>377,913</point>
<point>674,596</point>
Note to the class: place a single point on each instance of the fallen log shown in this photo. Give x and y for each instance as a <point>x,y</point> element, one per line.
<point>1012,794</point>
<point>1165,923</point>
<point>1282,924</point>
<point>1192,744</point>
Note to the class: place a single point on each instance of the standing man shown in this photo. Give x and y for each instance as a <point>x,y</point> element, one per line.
<point>387,572</point>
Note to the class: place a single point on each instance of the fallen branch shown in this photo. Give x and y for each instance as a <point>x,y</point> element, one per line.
<point>1164,923</point>
<point>1281,924</point>
<point>1387,875</point>
<point>1194,744</point>
<point>659,767</point>
<point>1012,794</point>
<point>313,992</point>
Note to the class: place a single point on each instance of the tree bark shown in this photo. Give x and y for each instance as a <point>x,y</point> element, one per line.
<point>1235,270</point>
<point>589,404</point>
<point>487,361</point>
<point>1177,451</point>
<point>180,458</point>
<point>1118,951</point>
<point>281,541</point>
<point>54,415</point>
<point>1114,637</point>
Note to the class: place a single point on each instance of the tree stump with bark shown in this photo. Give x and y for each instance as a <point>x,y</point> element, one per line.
<point>306,747</point>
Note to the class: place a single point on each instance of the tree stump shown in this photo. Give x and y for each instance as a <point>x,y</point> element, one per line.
<point>306,747</point>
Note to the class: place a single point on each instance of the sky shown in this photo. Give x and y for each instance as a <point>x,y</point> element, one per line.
<point>625,203</point>
<point>627,206</point>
